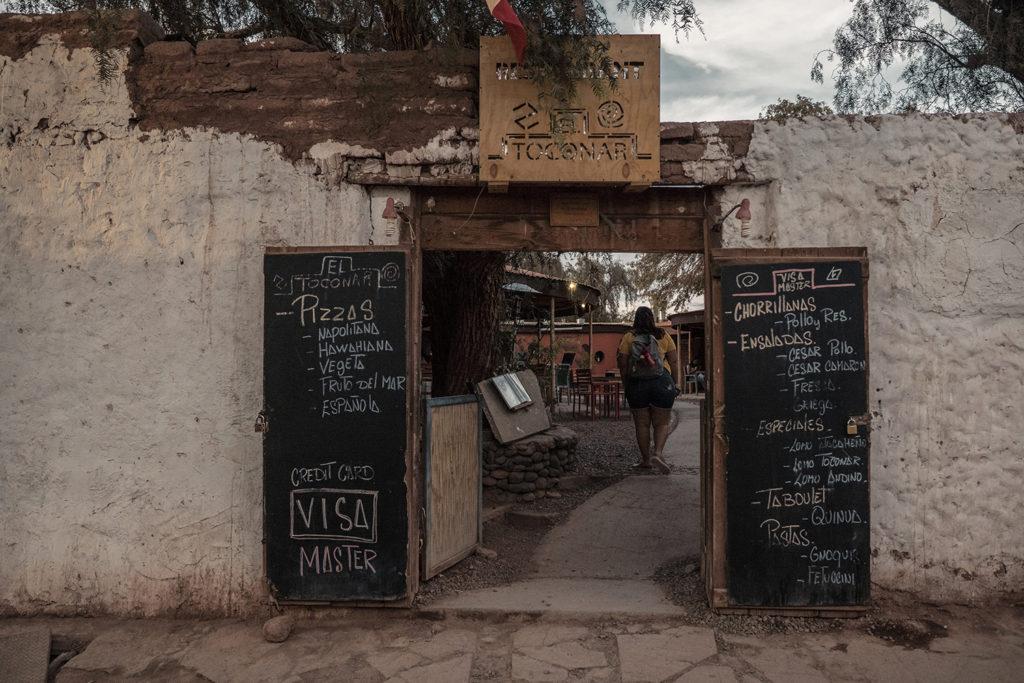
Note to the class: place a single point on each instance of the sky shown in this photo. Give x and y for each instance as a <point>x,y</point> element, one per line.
<point>753,52</point>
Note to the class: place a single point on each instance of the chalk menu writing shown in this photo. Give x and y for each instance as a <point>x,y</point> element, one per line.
<point>335,373</point>
<point>795,373</point>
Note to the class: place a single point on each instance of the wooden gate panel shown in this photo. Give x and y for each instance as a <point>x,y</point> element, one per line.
<point>453,481</point>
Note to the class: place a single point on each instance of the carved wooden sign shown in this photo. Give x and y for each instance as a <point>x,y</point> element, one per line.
<point>608,138</point>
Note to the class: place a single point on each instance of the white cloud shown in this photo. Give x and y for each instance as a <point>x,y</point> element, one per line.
<point>753,53</point>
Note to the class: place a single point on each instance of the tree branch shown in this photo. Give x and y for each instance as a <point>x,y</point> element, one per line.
<point>245,32</point>
<point>1001,30</point>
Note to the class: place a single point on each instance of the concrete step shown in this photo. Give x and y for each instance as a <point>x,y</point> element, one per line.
<point>564,597</point>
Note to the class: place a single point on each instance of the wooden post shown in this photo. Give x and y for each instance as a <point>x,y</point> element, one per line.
<point>553,381</point>
<point>591,347</point>
<point>680,375</point>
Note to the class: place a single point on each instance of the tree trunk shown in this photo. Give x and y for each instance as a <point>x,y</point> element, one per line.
<point>463,299</point>
<point>999,25</point>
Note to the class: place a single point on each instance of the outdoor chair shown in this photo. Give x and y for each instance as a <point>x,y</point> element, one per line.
<point>582,393</point>
<point>563,381</point>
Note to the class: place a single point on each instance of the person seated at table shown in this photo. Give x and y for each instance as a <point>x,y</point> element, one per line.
<point>648,385</point>
<point>696,370</point>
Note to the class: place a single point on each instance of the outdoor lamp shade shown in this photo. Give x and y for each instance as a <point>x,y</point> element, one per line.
<point>744,217</point>
<point>744,213</point>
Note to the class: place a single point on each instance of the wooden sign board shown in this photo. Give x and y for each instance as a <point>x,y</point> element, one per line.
<point>611,138</point>
<point>509,426</point>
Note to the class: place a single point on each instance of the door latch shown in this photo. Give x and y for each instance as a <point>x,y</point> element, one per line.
<point>856,421</point>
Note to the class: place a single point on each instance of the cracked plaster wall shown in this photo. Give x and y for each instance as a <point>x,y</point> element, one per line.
<point>131,343</point>
<point>939,203</point>
<point>130,270</point>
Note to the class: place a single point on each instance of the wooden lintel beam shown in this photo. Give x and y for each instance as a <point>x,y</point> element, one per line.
<point>655,234</point>
<point>636,187</point>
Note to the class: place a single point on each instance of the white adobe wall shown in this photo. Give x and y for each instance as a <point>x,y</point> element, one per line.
<point>131,344</point>
<point>939,203</point>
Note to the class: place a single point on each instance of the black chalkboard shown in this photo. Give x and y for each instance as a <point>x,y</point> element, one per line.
<point>795,372</point>
<point>335,392</point>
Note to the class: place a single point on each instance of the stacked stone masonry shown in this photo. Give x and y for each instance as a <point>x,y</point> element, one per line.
<point>530,468</point>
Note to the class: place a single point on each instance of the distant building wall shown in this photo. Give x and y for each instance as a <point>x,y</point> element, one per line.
<point>606,343</point>
<point>132,228</point>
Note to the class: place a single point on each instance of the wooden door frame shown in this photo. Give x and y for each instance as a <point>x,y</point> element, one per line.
<point>665,219</point>
<point>716,573</point>
<point>520,221</point>
<point>413,458</point>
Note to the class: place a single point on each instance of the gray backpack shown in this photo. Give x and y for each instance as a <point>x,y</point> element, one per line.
<point>645,359</point>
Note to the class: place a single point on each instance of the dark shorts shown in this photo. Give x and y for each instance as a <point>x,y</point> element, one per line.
<point>659,392</point>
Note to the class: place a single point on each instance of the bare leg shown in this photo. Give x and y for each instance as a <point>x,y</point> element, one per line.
<point>662,420</point>
<point>642,422</point>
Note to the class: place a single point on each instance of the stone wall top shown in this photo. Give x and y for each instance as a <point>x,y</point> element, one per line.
<point>20,33</point>
<point>282,90</point>
<point>395,118</point>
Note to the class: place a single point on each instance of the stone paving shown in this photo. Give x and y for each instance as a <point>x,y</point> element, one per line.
<point>604,619</point>
<point>975,645</point>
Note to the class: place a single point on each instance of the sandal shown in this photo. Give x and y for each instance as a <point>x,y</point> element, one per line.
<point>661,465</point>
<point>642,466</point>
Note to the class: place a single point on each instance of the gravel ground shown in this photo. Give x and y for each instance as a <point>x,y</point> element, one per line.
<point>606,447</point>
<point>891,618</point>
<point>682,583</point>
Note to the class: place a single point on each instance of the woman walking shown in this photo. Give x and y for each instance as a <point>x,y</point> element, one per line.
<point>647,380</point>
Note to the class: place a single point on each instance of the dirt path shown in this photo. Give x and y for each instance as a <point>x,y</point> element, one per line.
<point>604,556</point>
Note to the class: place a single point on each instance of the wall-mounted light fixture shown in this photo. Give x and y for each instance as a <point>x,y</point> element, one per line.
<point>391,216</point>
<point>743,215</point>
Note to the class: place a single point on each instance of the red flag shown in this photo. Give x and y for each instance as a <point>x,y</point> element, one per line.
<point>503,12</point>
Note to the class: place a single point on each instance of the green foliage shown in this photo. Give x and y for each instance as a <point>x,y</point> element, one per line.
<point>103,27</point>
<point>562,35</point>
<point>668,280</point>
<point>546,262</point>
<point>681,14</point>
<point>794,109</point>
<point>612,276</point>
<point>970,61</point>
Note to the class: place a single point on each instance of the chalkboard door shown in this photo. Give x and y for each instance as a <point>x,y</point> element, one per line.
<point>790,378</point>
<point>337,399</point>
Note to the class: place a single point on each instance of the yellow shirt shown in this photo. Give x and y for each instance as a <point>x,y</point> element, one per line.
<point>665,344</point>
